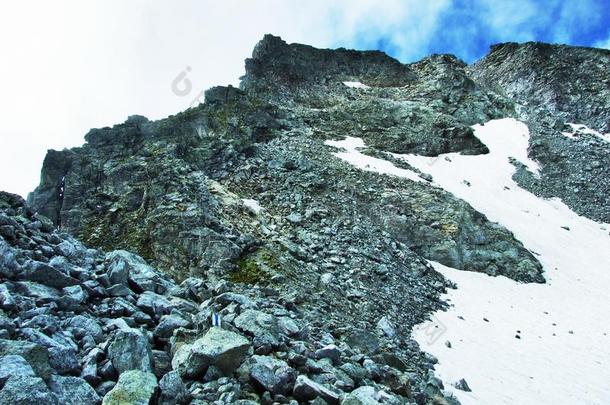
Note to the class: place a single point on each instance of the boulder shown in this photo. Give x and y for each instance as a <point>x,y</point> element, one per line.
<point>135,387</point>
<point>386,327</point>
<point>222,348</point>
<point>173,390</point>
<point>7,302</point>
<point>288,326</point>
<point>73,391</point>
<point>162,363</point>
<point>36,355</point>
<point>154,304</point>
<point>8,262</point>
<point>43,273</point>
<point>81,325</point>
<point>76,293</point>
<point>259,324</point>
<point>27,390</point>
<point>130,350</point>
<point>272,375</point>
<point>14,365</point>
<point>140,274</point>
<point>168,324</point>
<point>367,395</point>
<point>307,390</point>
<point>330,352</point>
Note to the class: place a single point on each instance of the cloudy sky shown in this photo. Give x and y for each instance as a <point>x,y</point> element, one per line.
<point>68,66</point>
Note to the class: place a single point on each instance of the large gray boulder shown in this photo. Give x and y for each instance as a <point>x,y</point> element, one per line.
<point>259,324</point>
<point>222,348</point>
<point>172,389</point>
<point>139,273</point>
<point>73,391</point>
<point>45,274</point>
<point>134,387</point>
<point>36,355</point>
<point>14,365</point>
<point>27,390</point>
<point>130,350</point>
<point>307,390</point>
<point>271,374</point>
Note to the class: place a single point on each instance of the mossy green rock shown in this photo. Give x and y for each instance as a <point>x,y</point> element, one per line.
<point>134,387</point>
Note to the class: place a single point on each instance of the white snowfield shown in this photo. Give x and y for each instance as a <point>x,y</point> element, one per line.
<point>252,205</point>
<point>356,85</point>
<point>562,353</point>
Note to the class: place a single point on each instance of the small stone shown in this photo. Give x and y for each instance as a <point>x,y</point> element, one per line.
<point>327,278</point>
<point>386,327</point>
<point>462,385</point>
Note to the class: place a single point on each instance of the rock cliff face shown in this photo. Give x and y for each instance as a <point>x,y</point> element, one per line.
<point>241,208</point>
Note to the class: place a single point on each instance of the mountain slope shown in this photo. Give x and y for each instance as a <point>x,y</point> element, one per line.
<point>250,189</point>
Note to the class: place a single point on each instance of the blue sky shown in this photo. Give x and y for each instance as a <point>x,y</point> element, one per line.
<point>71,65</point>
<point>467,28</point>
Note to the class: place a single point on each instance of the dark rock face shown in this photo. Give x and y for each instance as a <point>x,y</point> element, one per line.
<point>294,66</point>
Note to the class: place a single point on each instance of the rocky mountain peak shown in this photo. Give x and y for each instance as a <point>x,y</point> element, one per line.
<point>275,63</point>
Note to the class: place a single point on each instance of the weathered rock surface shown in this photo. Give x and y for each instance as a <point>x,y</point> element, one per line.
<point>221,348</point>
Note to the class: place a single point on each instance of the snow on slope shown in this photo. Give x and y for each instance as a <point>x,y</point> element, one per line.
<point>352,155</point>
<point>580,129</point>
<point>356,85</point>
<point>562,353</point>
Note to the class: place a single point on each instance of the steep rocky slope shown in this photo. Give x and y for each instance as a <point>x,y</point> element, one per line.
<point>244,195</point>
<point>78,325</point>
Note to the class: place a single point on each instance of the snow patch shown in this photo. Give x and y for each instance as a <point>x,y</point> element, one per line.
<point>580,129</point>
<point>352,155</point>
<point>513,342</point>
<point>356,85</point>
<point>252,205</point>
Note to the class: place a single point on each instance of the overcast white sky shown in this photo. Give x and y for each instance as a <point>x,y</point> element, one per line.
<point>68,66</point>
